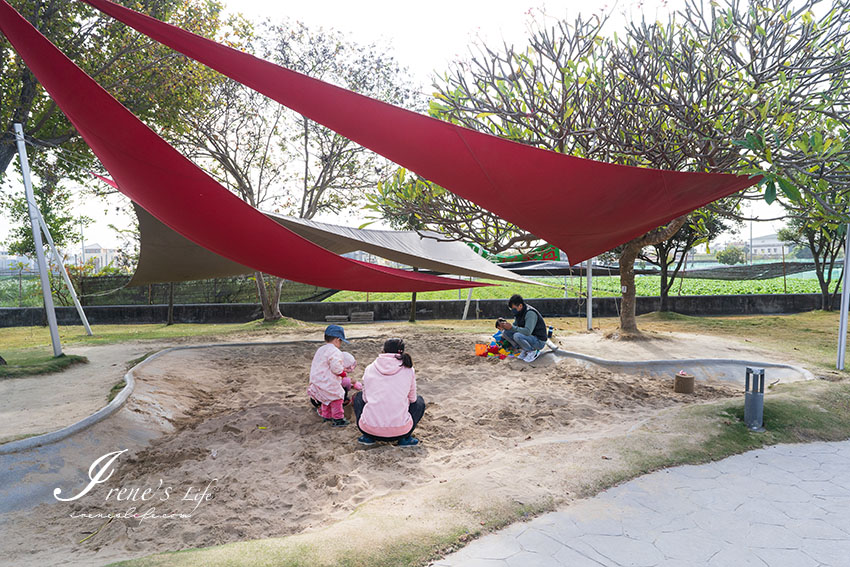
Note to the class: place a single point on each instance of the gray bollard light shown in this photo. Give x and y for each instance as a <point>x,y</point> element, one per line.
<point>754,399</point>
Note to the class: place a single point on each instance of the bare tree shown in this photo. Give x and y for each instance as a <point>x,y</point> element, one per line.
<point>237,138</point>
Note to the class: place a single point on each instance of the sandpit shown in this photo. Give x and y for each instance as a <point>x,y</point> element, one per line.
<point>493,429</point>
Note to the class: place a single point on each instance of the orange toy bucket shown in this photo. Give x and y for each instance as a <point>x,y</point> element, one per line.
<point>481,350</point>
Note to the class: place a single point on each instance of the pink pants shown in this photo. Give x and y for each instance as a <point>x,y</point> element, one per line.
<point>332,410</point>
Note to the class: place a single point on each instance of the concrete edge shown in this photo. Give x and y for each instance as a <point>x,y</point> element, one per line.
<point>679,361</point>
<point>123,395</point>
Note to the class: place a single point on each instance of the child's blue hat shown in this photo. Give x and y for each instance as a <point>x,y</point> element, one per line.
<point>335,331</point>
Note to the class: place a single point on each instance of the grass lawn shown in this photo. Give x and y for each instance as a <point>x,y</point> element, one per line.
<point>28,350</point>
<point>12,338</point>
<point>33,361</point>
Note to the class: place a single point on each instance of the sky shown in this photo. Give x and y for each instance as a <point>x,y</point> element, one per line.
<point>424,37</point>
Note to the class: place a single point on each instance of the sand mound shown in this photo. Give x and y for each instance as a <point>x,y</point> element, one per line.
<point>240,415</point>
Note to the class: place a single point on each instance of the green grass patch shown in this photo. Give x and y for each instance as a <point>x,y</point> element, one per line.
<point>25,337</point>
<point>294,552</point>
<point>30,363</point>
<point>115,390</point>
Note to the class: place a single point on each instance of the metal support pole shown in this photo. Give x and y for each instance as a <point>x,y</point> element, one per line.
<point>58,259</point>
<point>468,300</point>
<point>590,294</point>
<point>845,296</point>
<point>39,247</point>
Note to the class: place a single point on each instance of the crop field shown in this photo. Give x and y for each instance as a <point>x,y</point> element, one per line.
<point>603,286</point>
<point>27,292</point>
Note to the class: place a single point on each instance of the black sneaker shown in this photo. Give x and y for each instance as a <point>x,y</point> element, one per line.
<point>340,422</point>
<point>408,441</point>
<point>365,440</point>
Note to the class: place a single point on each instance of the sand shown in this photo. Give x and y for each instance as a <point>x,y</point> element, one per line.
<point>493,430</point>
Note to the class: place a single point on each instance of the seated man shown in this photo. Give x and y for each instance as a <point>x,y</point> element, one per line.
<point>528,332</point>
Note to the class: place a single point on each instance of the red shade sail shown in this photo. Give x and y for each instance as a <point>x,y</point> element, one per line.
<point>181,195</point>
<point>582,206</point>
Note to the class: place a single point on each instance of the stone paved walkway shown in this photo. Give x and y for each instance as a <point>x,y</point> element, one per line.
<point>784,506</point>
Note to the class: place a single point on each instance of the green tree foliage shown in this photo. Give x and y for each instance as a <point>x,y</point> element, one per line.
<point>670,255</point>
<point>155,83</point>
<point>151,80</point>
<point>787,67</point>
<point>814,229</point>
<point>55,206</point>
<point>410,202</point>
<point>731,255</point>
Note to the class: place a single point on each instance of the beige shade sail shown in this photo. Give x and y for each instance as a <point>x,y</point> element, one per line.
<point>166,256</point>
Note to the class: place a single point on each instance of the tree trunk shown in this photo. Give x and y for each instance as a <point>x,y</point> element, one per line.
<point>264,296</point>
<point>412,318</point>
<point>275,303</point>
<point>628,322</point>
<point>665,291</point>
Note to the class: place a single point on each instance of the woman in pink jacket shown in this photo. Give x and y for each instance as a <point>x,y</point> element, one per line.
<point>388,408</point>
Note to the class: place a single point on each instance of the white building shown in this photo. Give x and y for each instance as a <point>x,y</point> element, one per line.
<point>769,245</point>
<point>11,263</point>
<point>101,256</point>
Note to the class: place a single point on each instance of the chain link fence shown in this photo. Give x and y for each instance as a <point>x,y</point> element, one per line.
<point>24,291</point>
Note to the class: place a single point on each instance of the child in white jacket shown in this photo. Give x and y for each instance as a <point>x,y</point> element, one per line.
<point>329,382</point>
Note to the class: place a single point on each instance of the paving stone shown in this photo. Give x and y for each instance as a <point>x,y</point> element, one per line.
<point>539,542</point>
<point>764,475</point>
<point>788,462</point>
<point>818,529</point>
<point>476,562</point>
<point>830,553</point>
<point>569,557</point>
<point>785,558</point>
<point>823,489</point>
<point>694,471</point>
<point>499,547</point>
<point>820,474</point>
<point>724,527</point>
<point>694,546</point>
<point>625,551</point>
<point>761,510</point>
<point>769,536</point>
<point>531,559</point>
<point>738,557</point>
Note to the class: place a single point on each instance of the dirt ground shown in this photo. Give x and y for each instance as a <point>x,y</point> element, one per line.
<point>494,431</point>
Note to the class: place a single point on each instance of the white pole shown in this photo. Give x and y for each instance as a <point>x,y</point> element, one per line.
<point>845,297</point>
<point>39,247</point>
<point>468,299</point>
<point>58,259</point>
<point>590,294</point>
<point>751,242</point>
